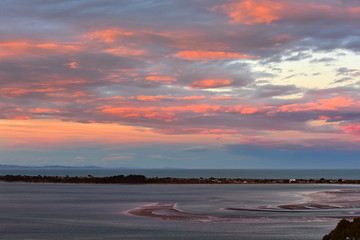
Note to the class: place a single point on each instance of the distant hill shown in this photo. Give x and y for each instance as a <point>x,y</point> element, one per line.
<point>17,167</point>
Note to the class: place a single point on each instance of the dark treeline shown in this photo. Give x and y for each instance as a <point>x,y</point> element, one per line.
<point>345,230</point>
<point>67,179</point>
<point>141,179</point>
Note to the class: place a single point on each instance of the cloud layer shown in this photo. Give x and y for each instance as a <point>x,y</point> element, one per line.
<point>274,74</point>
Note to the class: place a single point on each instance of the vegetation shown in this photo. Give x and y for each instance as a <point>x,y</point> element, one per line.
<point>67,179</point>
<point>166,180</point>
<point>345,230</point>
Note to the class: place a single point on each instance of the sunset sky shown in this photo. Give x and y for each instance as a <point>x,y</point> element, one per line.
<point>180,83</point>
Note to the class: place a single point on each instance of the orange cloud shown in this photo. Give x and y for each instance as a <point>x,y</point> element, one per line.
<point>160,98</point>
<point>16,92</point>
<point>241,109</point>
<point>20,48</point>
<point>75,94</point>
<point>126,51</point>
<point>108,35</point>
<point>141,112</point>
<point>328,104</point>
<point>14,112</point>
<point>211,83</point>
<point>251,11</point>
<point>13,92</point>
<point>166,114</point>
<point>267,11</point>
<point>44,134</point>
<point>45,110</point>
<point>192,98</point>
<point>210,55</point>
<point>249,110</point>
<point>196,131</point>
<point>201,108</point>
<point>151,98</point>
<point>169,114</point>
<point>56,81</point>
<point>218,131</point>
<point>73,65</point>
<point>19,117</point>
<point>163,79</point>
<point>115,98</point>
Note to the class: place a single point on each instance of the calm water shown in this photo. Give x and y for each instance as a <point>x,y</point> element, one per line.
<point>226,173</point>
<point>88,211</point>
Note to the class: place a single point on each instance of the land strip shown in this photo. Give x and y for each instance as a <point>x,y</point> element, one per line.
<point>141,179</point>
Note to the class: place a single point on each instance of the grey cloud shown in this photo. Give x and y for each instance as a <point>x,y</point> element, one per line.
<point>275,90</point>
<point>341,80</point>
<point>105,61</point>
<point>298,56</point>
<point>295,75</point>
<point>325,59</point>
<point>347,71</point>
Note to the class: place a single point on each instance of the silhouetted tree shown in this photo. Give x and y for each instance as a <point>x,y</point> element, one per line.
<point>345,230</point>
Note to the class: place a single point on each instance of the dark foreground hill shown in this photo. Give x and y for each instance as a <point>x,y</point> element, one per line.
<point>345,230</point>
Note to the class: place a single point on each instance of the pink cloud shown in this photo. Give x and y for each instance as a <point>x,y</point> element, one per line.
<point>73,65</point>
<point>210,55</point>
<point>352,128</point>
<point>44,110</point>
<point>211,83</point>
<point>327,104</point>
<point>69,94</point>
<point>126,51</point>
<point>139,113</point>
<point>324,117</point>
<point>330,118</point>
<point>268,11</point>
<point>17,92</point>
<point>354,10</point>
<point>250,11</point>
<point>161,98</point>
<point>163,79</point>
<point>24,48</point>
<point>173,113</point>
<point>108,35</point>
<point>196,131</point>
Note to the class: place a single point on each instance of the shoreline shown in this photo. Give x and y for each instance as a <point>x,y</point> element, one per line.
<point>141,179</point>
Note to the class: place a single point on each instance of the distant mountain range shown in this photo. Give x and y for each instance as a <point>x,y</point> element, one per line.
<point>11,167</point>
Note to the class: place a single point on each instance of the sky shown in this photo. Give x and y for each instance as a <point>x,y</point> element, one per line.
<point>180,84</point>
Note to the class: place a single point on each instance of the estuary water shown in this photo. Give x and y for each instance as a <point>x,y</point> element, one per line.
<point>49,211</point>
